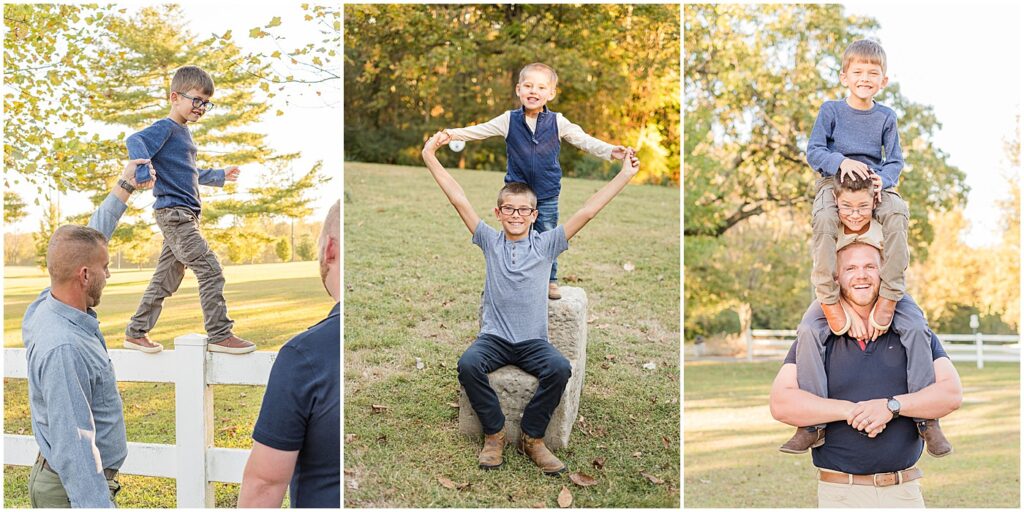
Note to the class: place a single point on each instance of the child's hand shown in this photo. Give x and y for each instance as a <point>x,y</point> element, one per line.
<point>129,174</point>
<point>231,173</point>
<point>858,330</point>
<point>850,167</point>
<point>435,141</point>
<point>620,152</point>
<point>445,138</point>
<point>630,163</point>
<point>877,187</point>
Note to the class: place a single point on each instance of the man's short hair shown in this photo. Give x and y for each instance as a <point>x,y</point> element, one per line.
<point>187,78</point>
<point>71,248</point>
<point>864,50</point>
<point>516,188</point>
<point>537,66</point>
<point>854,245</point>
<point>331,227</point>
<point>851,183</point>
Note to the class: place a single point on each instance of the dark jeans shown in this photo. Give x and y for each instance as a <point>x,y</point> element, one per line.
<point>536,357</point>
<point>547,219</point>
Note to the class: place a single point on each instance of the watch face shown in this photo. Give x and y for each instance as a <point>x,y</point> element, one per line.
<point>894,405</point>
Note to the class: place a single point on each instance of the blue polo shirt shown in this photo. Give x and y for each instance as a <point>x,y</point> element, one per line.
<point>879,371</point>
<point>302,411</point>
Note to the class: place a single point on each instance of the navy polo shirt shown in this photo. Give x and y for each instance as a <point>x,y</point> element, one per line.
<point>302,411</point>
<point>879,371</point>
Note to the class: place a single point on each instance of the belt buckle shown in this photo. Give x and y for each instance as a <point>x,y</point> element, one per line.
<point>885,483</point>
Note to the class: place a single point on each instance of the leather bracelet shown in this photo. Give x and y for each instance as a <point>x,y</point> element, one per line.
<point>123,183</point>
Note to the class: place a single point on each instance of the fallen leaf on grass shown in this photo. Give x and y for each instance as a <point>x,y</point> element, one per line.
<point>703,481</point>
<point>453,405</point>
<point>379,408</point>
<point>605,366</point>
<point>650,366</point>
<point>382,440</point>
<point>349,438</point>
<point>638,454</point>
<point>350,472</point>
<point>598,463</point>
<point>629,266</point>
<point>446,483</point>
<point>666,442</point>
<point>419,364</point>
<point>564,498</point>
<point>353,484</point>
<point>653,479</point>
<point>572,278</point>
<point>582,479</point>
<point>539,504</point>
<point>609,357</point>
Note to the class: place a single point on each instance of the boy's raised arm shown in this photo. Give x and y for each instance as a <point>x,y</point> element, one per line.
<point>497,127</point>
<point>449,186</point>
<point>630,166</point>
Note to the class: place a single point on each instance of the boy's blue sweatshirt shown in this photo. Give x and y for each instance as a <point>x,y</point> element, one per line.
<point>171,151</point>
<point>842,131</point>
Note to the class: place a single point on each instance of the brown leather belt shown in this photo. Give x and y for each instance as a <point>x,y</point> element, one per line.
<point>877,479</point>
<point>108,473</point>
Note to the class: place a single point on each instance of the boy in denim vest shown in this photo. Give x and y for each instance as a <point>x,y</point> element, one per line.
<point>533,136</point>
<point>168,144</point>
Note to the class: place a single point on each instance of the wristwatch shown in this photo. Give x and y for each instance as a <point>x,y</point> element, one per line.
<point>125,185</point>
<point>894,407</point>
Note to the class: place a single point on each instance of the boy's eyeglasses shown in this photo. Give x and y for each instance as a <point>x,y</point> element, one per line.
<point>198,102</point>
<point>525,211</point>
<point>851,211</point>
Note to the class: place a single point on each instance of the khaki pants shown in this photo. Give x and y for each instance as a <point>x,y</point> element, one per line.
<point>906,495</point>
<point>184,246</point>
<point>45,489</point>
<point>894,216</point>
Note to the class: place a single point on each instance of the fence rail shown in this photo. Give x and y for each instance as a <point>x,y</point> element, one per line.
<point>193,460</point>
<point>979,348</point>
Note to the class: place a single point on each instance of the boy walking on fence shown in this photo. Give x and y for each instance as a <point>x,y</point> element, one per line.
<point>168,143</point>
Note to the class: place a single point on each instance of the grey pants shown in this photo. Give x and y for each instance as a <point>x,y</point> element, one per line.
<point>184,246</point>
<point>908,322</point>
<point>45,489</point>
<point>894,216</point>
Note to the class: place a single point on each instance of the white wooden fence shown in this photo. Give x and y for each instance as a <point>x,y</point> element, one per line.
<point>193,460</point>
<point>960,347</point>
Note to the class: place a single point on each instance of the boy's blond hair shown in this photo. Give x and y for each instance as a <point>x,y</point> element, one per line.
<point>864,50</point>
<point>537,66</point>
<point>187,78</point>
<point>516,188</point>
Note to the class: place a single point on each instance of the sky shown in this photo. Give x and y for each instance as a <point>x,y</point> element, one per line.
<point>964,61</point>
<point>311,124</point>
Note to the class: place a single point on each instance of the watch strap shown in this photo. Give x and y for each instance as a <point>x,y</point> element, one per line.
<point>123,183</point>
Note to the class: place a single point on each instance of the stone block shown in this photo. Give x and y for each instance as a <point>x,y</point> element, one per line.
<point>567,331</point>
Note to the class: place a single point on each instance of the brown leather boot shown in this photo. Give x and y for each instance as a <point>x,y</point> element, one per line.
<point>837,318</point>
<point>804,438</point>
<point>494,447</point>
<point>934,439</point>
<point>881,314</point>
<point>541,456</point>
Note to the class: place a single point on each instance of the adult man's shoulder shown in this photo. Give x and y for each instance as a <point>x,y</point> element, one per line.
<point>322,335</point>
<point>45,327</point>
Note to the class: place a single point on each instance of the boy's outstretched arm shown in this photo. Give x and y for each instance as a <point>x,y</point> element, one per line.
<point>449,186</point>
<point>630,166</point>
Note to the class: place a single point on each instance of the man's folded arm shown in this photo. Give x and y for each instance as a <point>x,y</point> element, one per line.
<point>794,406</point>
<point>938,399</point>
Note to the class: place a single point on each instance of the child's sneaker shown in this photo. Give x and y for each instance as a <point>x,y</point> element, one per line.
<point>232,345</point>
<point>804,438</point>
<point>934,439</point>
<point>553,292</point>
<point>143,344</point>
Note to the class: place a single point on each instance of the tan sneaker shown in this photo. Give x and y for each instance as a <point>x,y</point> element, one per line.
<point>491,454</point>
<point>143,344</point>
<point>541,456</point>
<point>232,345</point>
<point>553,292</point>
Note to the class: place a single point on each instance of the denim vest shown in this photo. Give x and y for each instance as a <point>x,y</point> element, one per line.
<point>533,157</point>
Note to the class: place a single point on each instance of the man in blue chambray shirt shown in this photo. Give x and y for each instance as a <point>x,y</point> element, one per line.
<point>77,417</point>
<point>297,436</point>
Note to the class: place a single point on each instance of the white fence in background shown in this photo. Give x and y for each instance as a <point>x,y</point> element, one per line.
<point>979,348</point>
<point>193,460</point>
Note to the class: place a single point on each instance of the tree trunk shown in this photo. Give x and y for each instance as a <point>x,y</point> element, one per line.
<point>746,319</point>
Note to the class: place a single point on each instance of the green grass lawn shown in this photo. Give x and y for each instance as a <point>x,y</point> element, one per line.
<point>413,281</point>
<point>270,303</point>
<point>731,442</point>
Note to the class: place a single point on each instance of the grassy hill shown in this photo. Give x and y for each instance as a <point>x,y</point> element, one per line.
<point>412,290</point>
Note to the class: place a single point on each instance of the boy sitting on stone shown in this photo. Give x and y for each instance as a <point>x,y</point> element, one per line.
<point>514,323</point>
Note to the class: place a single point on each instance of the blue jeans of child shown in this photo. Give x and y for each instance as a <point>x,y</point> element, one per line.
<point>536,357</point>
<point>547,219</point>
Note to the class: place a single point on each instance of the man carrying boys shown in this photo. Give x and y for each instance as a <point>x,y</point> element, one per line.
<point>855,201</point>
<point>77,416</point>
<point>533,136</point>
<point>168,143</point>
<point>857,137</point>
<point>514,323</point>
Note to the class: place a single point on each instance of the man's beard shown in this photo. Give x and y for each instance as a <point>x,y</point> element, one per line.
<point>324,270</point>
<point>847,294</point>
<point>94,292</point>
